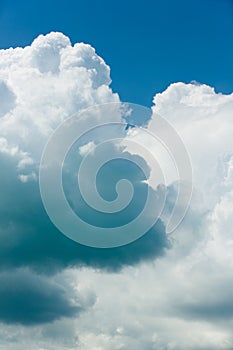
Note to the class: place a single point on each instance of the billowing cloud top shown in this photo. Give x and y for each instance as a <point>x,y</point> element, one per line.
<point>43,84</point>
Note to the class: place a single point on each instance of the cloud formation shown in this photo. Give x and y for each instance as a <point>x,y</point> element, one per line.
<point>51,79</point>
<point>41,85</point>
<point>177,298</point>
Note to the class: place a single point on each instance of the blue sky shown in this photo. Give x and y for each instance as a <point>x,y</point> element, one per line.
<point>148,44</point>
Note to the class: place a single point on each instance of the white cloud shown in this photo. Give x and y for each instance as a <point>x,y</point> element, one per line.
<point>45,83</point>
<point>181,301</point>
<point>203,119</point>
<point>87,148</point>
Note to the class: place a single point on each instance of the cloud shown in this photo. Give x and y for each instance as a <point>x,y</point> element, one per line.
<point>45,83</point>
<point>46,52</point>
<point>198,113</point>
<point>183,299</point>
<point>7,98</point>
<point>178,298</point>
<point>51,80</point>
<point>28,238</point>
<point>30,299</point>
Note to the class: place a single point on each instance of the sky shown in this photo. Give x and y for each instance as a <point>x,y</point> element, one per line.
<point>148,45</point>
<point>116,218</point>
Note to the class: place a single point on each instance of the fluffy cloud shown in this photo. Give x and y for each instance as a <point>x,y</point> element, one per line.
<point>41,86</point>
<point>175,299</point>
<point>50,80</point>
<point>184,299</point>
<point>204,121</point>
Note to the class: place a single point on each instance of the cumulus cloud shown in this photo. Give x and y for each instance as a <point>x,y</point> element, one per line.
<point>178,298</point>
<point>200,114</point>
<point>183,301</point>
<point>45,83</point>
<point>51,79</point>
<point>41,85</point>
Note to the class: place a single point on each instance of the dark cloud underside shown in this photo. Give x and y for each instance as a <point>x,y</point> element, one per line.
<point>28,299</point>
